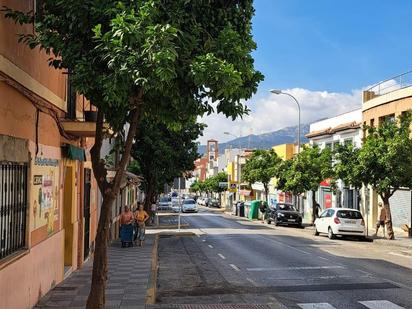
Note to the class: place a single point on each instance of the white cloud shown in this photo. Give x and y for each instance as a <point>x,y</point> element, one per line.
<point>274,112</point>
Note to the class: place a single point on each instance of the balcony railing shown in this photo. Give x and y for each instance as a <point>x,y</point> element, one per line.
<point>395,83</point>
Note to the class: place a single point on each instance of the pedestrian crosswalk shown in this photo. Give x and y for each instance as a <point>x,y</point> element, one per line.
<point>371,304</point>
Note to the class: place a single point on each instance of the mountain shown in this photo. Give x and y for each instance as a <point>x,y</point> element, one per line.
<point>263,141</point>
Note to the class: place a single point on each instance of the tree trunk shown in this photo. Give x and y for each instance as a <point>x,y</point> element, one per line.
<point>266,193</point>
<point>96,299</point>
<point>314,208</point>
<point>388,221</point>
<point>150,192</point>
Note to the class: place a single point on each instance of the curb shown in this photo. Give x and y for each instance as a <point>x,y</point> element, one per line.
<point>176,233</point>
<point>152,285</point>
<point>169,226</point>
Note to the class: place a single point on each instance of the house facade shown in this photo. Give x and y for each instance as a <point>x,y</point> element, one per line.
<point>328,133</point>
<point>386,101</point>
<point>48,195</point>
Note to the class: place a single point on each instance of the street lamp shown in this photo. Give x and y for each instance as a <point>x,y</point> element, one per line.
<point>277,91</point>
<point>237,163</point>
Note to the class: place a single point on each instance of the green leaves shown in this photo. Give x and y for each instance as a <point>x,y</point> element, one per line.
<point>261,166</point>
<point>306,170</point>
<point>385,159</point>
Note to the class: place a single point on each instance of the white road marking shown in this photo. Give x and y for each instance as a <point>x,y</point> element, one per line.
<point>294,268</point>
<point>323,258</point>
<point>210,246</point>
<point>400,254</point>
<point>316,306</point>
<point>234,267</point>
<point>285,245</point>
<point>380,304</point>
<point>251,281</point>
<point>204,240</point>
<point>222,256</point>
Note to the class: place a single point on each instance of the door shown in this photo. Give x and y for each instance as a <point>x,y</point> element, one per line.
<point>86,211</point>
<point>68,205</point>
<point>320,223</point>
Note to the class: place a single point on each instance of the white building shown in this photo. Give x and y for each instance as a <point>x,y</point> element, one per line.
<point>342,129</point>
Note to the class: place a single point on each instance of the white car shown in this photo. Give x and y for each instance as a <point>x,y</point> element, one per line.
<point>189,205</point>
<point>175,204</point>
<point>200,201</point>
<point>340,221</point>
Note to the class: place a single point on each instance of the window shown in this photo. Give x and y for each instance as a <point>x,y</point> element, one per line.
<point>349,214</point>
<point>13,207</point>
<point>328,145</point>
<point>389,118</point>
<point>335,145</point>
<point>330,213</point>
<point>348,141</point>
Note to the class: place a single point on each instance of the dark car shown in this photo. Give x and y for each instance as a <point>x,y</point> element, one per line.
<point>284,214</point>
<point>213,203</point>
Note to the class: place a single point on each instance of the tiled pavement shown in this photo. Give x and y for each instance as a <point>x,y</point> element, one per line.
<point>129,273</point>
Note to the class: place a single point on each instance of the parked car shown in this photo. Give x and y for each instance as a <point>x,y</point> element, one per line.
<point>200,201</point>
<point>206,201</point>
<point>164,203</point>
<point>175,204</point>
<point>189,205</point>
<point>340,221</point>
<point>213,203</point>
<point>284,214</point>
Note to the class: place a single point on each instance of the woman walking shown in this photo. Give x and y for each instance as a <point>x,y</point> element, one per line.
<point>141,217</point>
<point>126,228</point>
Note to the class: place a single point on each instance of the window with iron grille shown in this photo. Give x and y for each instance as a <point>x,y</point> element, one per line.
<point>13,207</point>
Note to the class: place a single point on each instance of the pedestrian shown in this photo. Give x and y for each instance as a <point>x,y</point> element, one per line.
<point>141,217</point>
<point>153,210</point>
<point>263,209</point>
<point>381,219</point>
<point>126,227</point>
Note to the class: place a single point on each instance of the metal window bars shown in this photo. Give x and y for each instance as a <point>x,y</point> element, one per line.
<point>13,208</point>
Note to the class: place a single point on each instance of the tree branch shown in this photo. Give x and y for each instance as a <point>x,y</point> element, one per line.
<point>98,166</point>
<point>136,103</point>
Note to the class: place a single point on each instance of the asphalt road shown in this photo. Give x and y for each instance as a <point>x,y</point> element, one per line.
<point>234,261</point>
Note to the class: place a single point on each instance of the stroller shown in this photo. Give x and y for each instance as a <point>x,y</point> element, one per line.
<point>126,235</point>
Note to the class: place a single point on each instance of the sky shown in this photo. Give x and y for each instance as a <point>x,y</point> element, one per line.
<point>324,52</point>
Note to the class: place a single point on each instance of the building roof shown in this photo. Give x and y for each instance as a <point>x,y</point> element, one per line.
<point>331,131</point>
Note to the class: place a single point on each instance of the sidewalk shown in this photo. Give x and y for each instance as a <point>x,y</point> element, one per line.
<point>127,286</point>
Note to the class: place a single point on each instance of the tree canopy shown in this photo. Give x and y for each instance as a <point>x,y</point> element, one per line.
<point>306,171</point>
<point>130,58</point>
<point>163,153</point>
<point>261,166</point>
<point>385,160</point>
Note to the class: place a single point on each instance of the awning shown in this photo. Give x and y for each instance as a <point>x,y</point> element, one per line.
<point>127,179</point>
<point>74,153</point>
<point>246,192</point>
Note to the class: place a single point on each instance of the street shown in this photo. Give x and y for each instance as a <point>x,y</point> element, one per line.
<point>235,261</point>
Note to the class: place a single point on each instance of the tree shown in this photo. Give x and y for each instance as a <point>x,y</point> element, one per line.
<point>164,153</point>
<point>346,166</point>
<point>145,56</point>
<point>212,183</point>
<point>261,166</point>
<point>195,187</point>
<point>305,172</point>
<point>385,161</point>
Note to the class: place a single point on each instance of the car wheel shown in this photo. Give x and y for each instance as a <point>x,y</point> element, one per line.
<point>268,221</point>
<point>316,233</point>
<point>330,233</point>
<point>276,222</point>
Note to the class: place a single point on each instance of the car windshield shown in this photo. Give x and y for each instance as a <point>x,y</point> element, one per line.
<point>188,202</point>
<point>164,199</point>
<point>349,214</point>
<point>285,207</point>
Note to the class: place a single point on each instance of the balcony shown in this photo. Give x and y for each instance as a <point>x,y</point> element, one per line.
<point>398,82</point>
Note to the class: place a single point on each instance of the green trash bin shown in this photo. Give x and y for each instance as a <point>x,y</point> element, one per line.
<point>254,209</point>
